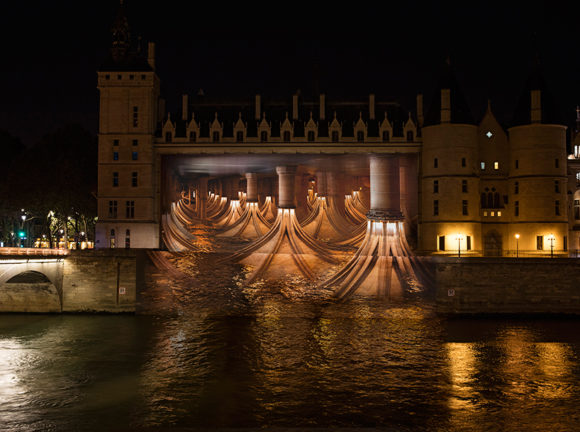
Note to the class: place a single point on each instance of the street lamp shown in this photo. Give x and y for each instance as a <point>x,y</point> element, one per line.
<point>459,238</point>
<point>551,238</point>
<point>517,245</point>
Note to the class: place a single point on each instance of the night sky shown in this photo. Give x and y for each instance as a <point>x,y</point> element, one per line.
<point>52,51</point>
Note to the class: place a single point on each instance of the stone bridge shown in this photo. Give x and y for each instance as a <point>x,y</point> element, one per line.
<point>56,280</point>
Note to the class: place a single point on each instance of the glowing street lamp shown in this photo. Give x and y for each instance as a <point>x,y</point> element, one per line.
<point>517,245</point>
<point>551,238</point>
<point>459,238</point>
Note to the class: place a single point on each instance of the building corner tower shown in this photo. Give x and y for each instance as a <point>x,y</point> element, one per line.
<point>129,94</point>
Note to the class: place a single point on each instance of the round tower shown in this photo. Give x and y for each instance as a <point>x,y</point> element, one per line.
<point>449,219</point>
<point>537,175</point>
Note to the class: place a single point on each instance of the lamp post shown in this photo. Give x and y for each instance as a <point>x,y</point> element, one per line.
<point>459,238</point>
<point>517,245</point>
<point>22,233</point>
<point>551,238</point>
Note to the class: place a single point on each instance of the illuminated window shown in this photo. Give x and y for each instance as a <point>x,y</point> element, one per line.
<point>557,207</point>
<point>441,243</point>
<point>115,179</point>
<point>488,134</point>
<point>540,242</point>
<point>192,136</point>
<point>498,213</point>
<point>135,155</point>
<point>135,116</point>
<point>386,136</point>
<point>239,136</point>
<point>129,209</point>
<point>485,213</point>
<point>577,151</point>
<point>516,208</point>
<point>334,136</point>
<point>463,162</point>
<point>112,209</point>
<point>493,213</point>
<point>360,136</point>
<point>115,155</point>
<point>496,165</point>
<point>483,165</point>
<point>464,186</point>
<point>435,207</point>
<point>134,177</point>
<point>464,207</point>
<point>556,186</point>
<point>287,136</point>
<point>435,186</point>
<point>435,163</point>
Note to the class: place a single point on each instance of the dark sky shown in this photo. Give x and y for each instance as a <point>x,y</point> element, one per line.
<point>52,50</point>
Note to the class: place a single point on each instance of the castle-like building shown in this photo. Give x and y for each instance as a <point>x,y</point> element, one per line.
<point>466,186</point>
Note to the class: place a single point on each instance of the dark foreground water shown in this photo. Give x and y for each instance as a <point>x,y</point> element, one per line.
<point>281,363</point>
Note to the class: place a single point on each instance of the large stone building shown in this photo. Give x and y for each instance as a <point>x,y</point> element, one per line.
<point>465,186</point>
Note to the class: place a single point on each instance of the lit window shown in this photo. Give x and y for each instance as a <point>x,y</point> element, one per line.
<point>483,165</point>
<point>496,165</point>
<point>493,213</point>
<point>488,134</point>
<point>485,213</point>
<point>577,151</point>
<point>498,213</point>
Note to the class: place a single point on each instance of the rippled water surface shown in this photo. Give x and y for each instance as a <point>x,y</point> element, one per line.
<point>224,356</point>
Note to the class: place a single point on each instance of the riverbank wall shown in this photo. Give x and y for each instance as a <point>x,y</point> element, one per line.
<point>481,285</point>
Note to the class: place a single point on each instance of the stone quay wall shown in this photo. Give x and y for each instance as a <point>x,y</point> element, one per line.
<point>103,280</point>
<point>507,285</point>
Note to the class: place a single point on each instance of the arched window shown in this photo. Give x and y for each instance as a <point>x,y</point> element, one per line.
<point>496,200</point>
<point>483,200</point>
<point>489,200</point>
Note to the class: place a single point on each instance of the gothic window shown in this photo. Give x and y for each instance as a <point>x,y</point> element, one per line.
<point>409,135</point>
<point>130,209</point>
<point>192,136</point>
<point>168,137</point>
<point>264,136</point>
<point>239,136</point>
<point>115,155</point>
<point>483,200</point>
<point>496,200</point>
<point>517,163</point>
<point>310,135</point>
<point>483,166</point>
<point>557,186</point>
<point>557,163</point>
<point>360,136</point>
<point>516,188</point>
<point>496,165</point>
<point>287,136</point>
<point>216,136</point>
<point>386,136</point>
<point>113,209</point>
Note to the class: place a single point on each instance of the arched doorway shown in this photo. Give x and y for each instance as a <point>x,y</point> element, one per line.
<point>492,244</point>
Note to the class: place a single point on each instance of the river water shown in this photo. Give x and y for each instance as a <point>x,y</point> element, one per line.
<point>221,356</point>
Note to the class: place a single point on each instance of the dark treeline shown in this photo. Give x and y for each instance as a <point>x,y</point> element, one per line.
<point>48,190</point>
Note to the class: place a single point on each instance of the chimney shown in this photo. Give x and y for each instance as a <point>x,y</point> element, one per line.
<point>371,106</point>
<point>445,106</point>
<point>295,107</point>
<point>322,106</point>
<point>420,109</point>
<point>184,107</point>
<point>151,54</point>
<point>536,105</point>
<point>258,107</point>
